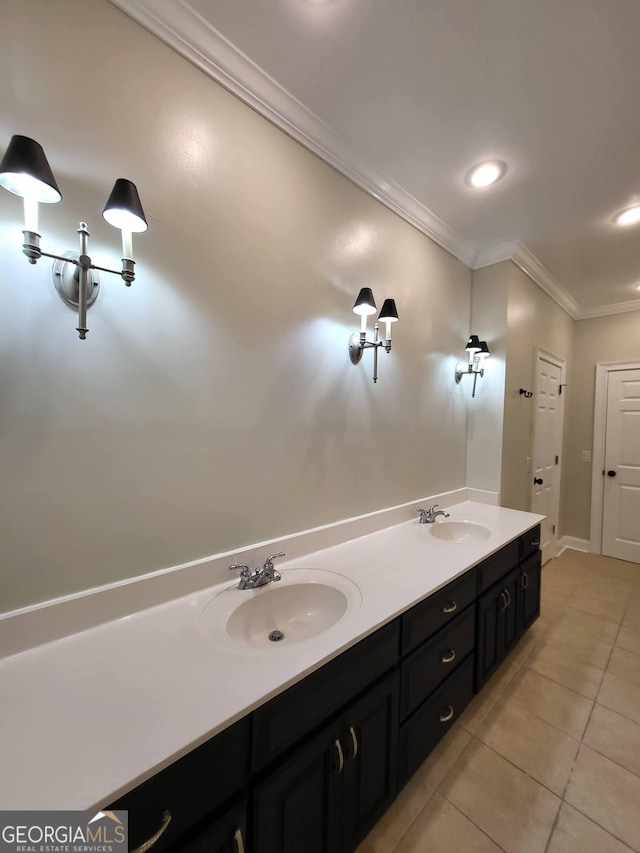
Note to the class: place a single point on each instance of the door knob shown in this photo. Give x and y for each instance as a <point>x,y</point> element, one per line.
<point>611,473</point>
<point>538,481</point>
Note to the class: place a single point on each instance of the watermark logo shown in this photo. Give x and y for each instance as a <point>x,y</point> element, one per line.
<point>64,832</point>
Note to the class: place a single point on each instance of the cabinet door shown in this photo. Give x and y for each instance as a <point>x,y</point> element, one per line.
<point>227,834</point>
<point>510,616</point>
<point>530,584</point>
<point>370,739</point>
<point>488,634</point>
<point>297,807</point>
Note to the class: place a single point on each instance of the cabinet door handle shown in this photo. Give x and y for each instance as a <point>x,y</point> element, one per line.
<point>507,597</point>
<point>237,838</point>
<point>148,844</point>
<point>535,542</point>
<point>339,768</point>
<point>525,580</point>
<point>451,607</point>
<point>503,599</point>
<point>354,742</point>
<point>448,715</point>
<point>449,657</point>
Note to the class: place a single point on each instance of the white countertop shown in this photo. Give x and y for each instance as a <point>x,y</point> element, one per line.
<point>88,717</point>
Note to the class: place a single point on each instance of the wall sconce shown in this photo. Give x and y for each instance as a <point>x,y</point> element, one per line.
<point>365,306</point>
<point>25,171</point>
<point>478,352</point>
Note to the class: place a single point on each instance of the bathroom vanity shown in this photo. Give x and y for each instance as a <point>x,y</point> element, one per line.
<point>314,767</point>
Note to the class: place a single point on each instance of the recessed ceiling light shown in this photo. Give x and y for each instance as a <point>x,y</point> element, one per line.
<point>485,174</point>
<point>630,216</point>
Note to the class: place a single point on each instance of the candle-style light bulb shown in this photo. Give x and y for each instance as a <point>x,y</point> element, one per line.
<point>30,213</point>
<point>127,244</point>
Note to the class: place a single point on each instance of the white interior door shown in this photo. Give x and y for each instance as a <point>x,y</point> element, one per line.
<point>621,504</point>
<point>547,444</point>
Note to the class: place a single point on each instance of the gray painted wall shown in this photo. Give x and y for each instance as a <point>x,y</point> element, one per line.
<point>213,404</point>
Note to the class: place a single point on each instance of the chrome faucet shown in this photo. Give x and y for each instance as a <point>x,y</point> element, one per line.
<point>428,516</point>
<point>259,577</point>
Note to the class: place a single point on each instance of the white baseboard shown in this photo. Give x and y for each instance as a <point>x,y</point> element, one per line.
<point>574,544</point>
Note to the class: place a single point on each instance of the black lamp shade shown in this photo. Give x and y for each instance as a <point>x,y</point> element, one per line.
<point>484,349</point>
<point>473,344</point>
<point>365,303</point>
<point>25,171</point>
<point>389,312</point>
<point>124,209</point>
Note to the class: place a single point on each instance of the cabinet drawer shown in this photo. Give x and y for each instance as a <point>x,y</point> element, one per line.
<point>190,789</point>
<point>429,665</point>
<point>308,704</point>
<point>434,612</point>
<point>497,565</point>
<point>422,731</point>
<point>226,834</point>
<point>529,542</point>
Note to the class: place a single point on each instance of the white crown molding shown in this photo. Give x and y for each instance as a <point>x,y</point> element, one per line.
<point>605,310</point>
<point>536,271</point>
<point>177,24</point>
<point>495,255</point>
<point>183,29</point>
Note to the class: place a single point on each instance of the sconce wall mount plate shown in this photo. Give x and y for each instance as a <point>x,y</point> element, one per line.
<point>355,348</point>
<point>66,279</point>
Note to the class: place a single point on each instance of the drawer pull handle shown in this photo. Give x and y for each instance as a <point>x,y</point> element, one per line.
<point>534,542</point>
<point>148,844</point>
<point>237,837</point>
<point>444,718</point>
<point>451,607</point>
<point>525,580</point>
<point>354,742</point>
<point>340,766</point>
<point>503,599</point>
<point>449,658</point>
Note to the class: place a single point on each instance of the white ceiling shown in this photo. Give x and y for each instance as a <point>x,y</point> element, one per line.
<point>403,96</point>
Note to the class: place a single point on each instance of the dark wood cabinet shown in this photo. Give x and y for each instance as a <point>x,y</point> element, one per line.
<point>433,719</point>
<point>370,738</point>
<point>314,768</point>
<point>509,607</point>
<point>530,588</point>
<point>179,798</point>
<point>306,706</point>
<point>425,668</point>
<point>226,834</point>
<point>327,795</point>
<point>424,619</point>
<point>499,625</point>
<point>297,807</point>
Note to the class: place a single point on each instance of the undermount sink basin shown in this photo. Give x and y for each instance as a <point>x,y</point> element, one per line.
<point>305,603</point>
<point>459,531</point>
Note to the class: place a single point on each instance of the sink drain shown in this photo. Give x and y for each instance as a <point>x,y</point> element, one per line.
<point>276,636</point>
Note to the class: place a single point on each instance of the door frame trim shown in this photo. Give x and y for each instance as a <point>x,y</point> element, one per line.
<point>560,363</point>
<point>597,454</point>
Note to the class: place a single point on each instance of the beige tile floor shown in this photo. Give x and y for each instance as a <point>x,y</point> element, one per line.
<point>546,758</point>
